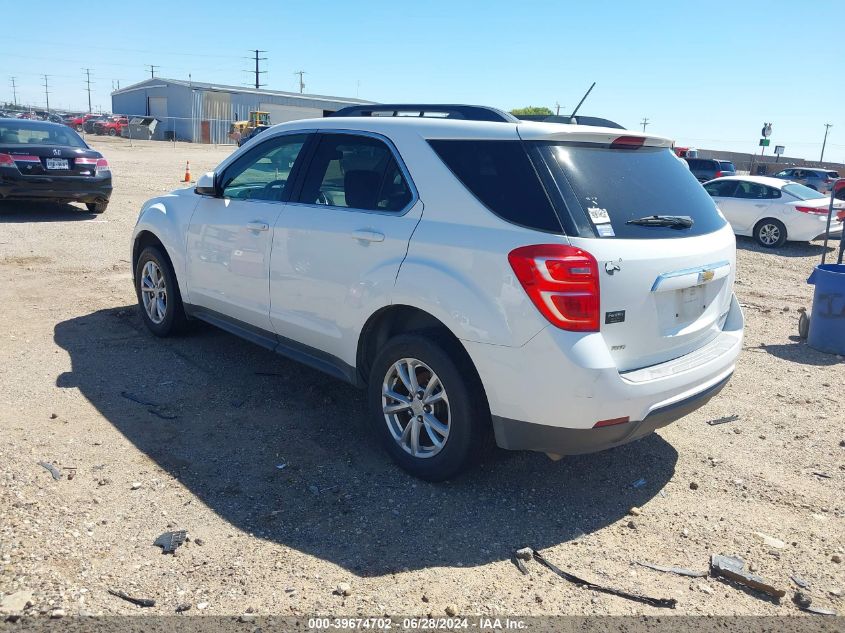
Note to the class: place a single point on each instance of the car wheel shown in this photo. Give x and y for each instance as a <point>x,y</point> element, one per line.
<point>158,295</point>
<point>428,406</point>
<point>770,233</point>
<point>96,207</point>
<point>112,132</point>
<point>78,128</point>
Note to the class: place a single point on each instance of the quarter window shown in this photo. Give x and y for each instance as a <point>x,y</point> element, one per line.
<point>262,174</point>
<point>356,172</point>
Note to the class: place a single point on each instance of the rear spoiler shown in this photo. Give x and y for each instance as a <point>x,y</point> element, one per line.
<point>592,121</point>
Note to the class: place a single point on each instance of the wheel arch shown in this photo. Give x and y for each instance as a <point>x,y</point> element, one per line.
<point>396,319</point>
<point>144,239</point>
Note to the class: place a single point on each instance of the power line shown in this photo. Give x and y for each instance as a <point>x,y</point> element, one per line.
<point>46,92</point>
<point>258,72</point>
<point>152,68</point>
<point>644,123</point>
<point>827,127</point>
<point>301,81</point>
<point>88,84</point>
<point>14,91</point>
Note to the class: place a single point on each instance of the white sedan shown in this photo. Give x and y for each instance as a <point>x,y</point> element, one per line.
<point>773,211</point>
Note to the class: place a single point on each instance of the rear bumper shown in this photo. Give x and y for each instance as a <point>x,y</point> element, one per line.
<point>549,394</point>
<point>519,435</point>
<point>67,188</point>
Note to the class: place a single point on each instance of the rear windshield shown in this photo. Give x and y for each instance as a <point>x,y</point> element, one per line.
<point>24,132</point>
<point>801,192</point>
<point>726,165</point>
<point>833,174</point>
<point>603,188</point>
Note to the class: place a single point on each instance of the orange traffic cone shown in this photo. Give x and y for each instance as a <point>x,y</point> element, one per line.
<point>187,172</point>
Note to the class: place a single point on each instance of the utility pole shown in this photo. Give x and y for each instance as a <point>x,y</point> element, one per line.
<point>301,81</point>
<point>644,123</point>
<point>88,86</point>
<point>14,91</point>
<point>46,92</point>
<point>258,72</point>
<point>557,109</point>
<point>827,126</point>
<point>152,68</point>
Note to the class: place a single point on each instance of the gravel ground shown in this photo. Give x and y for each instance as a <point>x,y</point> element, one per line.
<point>207,454</point>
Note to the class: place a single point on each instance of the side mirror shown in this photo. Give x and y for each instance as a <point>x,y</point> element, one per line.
<point>205,185</point>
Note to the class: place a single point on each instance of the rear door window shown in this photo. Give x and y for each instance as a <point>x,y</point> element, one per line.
<point>610,186</point>
<point>355,172</point>
<point>502,177</point>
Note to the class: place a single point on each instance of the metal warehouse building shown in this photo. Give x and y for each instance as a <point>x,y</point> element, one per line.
<point>202,112</point>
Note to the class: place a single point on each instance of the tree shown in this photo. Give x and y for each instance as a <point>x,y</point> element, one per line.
<point>531,110</point>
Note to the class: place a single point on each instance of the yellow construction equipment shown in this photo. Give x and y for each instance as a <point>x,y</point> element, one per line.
<point>242,128</point>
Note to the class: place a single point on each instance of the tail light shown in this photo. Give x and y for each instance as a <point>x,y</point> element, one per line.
<point>6,160</point>
<point>627,142</point>
<point>99,164</point>
<point>719,174</point>
<point>812,210</point>
<point>102,165</point>
<point>562,281</point>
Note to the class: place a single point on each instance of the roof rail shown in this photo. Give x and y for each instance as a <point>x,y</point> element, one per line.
<point>430,110</point>
<point>576,120</point>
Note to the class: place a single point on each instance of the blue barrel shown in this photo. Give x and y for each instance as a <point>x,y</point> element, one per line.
<point>827,320</point>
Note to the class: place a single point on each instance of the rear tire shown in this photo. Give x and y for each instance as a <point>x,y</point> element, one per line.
<point>158,294</point>
<point>770,233</point>
<point>453,430</point>
<point>112,132</point>
<point>96,207</point>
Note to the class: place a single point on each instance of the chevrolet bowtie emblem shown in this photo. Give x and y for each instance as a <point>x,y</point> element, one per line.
<point>706,275</point>
<point>612,267</point>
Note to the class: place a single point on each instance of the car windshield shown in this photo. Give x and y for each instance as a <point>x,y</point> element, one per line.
<point>613,186</point>
<point>833,174</point>
<point>25,132</point>
<point>801,192</point>
<point>726,165</point>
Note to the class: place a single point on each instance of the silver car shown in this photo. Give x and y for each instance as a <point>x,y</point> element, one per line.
<point>819,179</point>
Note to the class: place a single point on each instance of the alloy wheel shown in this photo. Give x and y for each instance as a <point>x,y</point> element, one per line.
<point>154,292</point>
<point>416,408</point>
<point>769,234</point>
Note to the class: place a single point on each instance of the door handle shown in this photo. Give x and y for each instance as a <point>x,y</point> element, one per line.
<point>257,226</point>
<point>368,236</point>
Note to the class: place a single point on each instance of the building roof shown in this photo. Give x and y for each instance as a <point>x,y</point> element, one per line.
<point>202,85</point>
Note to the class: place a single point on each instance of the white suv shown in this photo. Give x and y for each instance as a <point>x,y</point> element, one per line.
<point>564,288</point>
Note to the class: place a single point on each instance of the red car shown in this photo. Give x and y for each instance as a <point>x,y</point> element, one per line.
<point>78,121</point>
<point>111,126</point>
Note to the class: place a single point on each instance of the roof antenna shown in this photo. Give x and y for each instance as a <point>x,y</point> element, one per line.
<point>584,98</point>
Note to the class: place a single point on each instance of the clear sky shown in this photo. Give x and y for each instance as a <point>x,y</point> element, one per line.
<point>707,74</point>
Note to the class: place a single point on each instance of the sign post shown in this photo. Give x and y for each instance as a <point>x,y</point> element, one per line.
<point>766,132</point>
<point>779,152</point>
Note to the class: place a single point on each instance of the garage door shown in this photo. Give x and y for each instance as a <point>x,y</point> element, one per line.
<point>282,113</point>
<point>158,107</point>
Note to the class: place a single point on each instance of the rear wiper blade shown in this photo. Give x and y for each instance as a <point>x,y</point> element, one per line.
<point>672,221</point>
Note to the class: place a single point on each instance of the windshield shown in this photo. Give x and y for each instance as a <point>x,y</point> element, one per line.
<point>608,187</point>
<point>833,174</point>
<point>801,192</point>
<point>726,165</point>
<point>24,132</point>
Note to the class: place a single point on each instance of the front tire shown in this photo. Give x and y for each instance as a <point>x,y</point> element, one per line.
<point>158,294</point>
<point>428,406</point>
<point>770,233</point>
<point>112,132</point>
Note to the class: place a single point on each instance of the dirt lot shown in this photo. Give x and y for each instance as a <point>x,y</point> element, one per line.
<point>280,540</point>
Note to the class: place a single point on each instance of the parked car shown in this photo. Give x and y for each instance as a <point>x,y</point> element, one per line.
<point>709,168</point>
<point>561,327</point>
<point>818,179</point>
<point>50,162</point>
<point>78,121</point>
<point>88,126</point>
<point>772,210</point>
<point>112,125</point>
